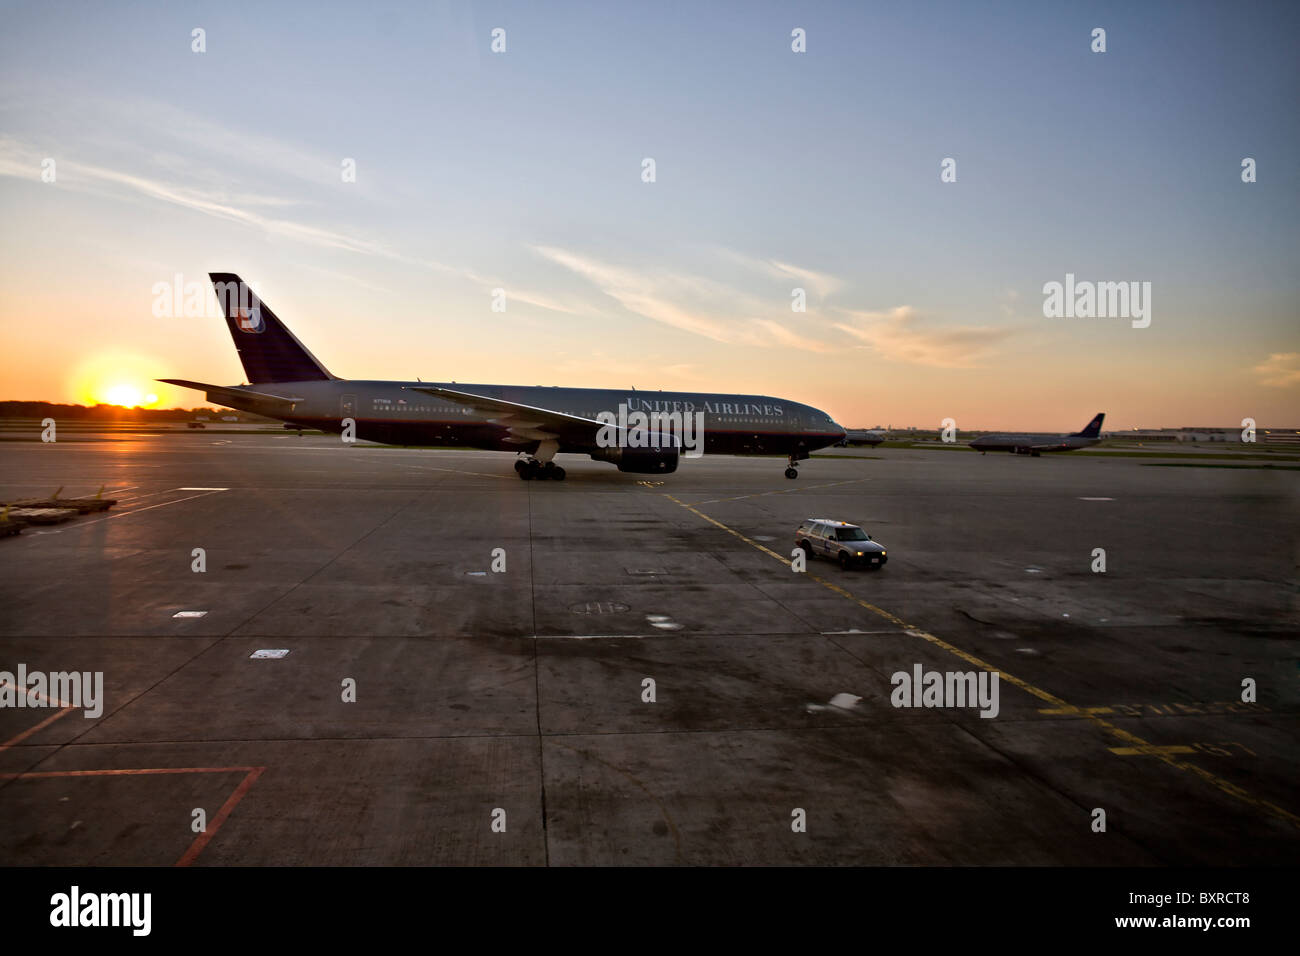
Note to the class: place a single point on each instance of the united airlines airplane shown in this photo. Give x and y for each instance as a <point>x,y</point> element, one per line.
<point>1036,444</point>
<point>288,383</point>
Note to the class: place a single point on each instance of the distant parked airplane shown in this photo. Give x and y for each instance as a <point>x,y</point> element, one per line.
<point>1035,444</point>
<point>288,383</point>
<point>862,436</point>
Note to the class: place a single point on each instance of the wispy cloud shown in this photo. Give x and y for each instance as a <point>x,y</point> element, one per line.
<point>24,163</point>
<point>516,293</point>
<point>176,136</point>
<point>690,303</point>
<point>616,368</point>
<point>643,293</point>
<point>820,283</point>
<point>777,334</point>
<point>1279,370</point>
<point>901,336</point>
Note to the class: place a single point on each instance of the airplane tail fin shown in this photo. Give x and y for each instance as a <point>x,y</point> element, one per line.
<point>1093,429</point>
<point>268,350</point>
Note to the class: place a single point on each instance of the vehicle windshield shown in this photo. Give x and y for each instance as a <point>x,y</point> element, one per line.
<point>850,534</point>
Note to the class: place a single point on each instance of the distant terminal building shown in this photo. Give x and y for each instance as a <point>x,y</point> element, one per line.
<point>1279,436</point>
<point>1267,436</point>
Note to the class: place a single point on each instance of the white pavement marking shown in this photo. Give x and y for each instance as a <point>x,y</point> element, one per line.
<point>125,514</point>
<point>840,701</point>
<point>152,494</point>
<point>454,471</point>
<point>586,637</point>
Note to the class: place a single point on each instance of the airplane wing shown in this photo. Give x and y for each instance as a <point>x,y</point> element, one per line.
<point>274,406</point>
<point>526,423</point>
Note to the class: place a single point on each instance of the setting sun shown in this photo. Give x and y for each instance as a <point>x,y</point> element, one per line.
<point>116,377</point>
<point>128,396</point>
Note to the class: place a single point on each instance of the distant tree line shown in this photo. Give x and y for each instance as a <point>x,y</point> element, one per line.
<point>116,413</point>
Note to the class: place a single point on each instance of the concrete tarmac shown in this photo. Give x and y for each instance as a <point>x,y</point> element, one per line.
<point>503,716</point>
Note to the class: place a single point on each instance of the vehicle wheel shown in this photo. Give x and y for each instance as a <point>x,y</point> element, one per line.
<point>792,472</point>
<point>557,474</point>
<point>529,471</point>
<point>519,467</point>
<point>807,549</point>
<point>844,560</point>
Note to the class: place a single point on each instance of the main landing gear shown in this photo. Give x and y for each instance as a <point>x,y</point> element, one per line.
<point>540,464</point>
<point>792,470</point>
<point>530,468</point>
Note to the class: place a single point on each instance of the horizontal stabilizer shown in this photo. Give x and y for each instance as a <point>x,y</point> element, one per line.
<point>275,406</point>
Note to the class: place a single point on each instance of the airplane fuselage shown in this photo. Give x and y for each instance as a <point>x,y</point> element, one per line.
<point>639,432</point>
<point>1037,444</point>
<point>394,413</point>
<point>1026,444</point>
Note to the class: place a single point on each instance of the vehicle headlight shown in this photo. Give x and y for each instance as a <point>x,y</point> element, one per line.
<point>883,553</point>
<point>859,554</point>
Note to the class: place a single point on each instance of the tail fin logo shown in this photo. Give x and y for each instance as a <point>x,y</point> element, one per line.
<point>250,320</point>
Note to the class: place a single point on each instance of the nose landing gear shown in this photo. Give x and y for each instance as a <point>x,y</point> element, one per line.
<point>799,453</point>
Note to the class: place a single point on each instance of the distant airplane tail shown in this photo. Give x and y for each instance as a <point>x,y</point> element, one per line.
<point>269,351</point>
<point>1094,428</point>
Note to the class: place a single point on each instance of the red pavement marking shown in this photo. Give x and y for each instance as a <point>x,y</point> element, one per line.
<point>33,692</point>
<point>203,839</point>
<point>18,738</point>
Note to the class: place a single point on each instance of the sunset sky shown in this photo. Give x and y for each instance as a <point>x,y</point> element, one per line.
<point>522,170</point>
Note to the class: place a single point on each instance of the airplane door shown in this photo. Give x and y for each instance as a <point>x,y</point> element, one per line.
<point>348,406</point>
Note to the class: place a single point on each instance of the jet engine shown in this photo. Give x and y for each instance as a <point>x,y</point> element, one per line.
<point>640,461</point>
